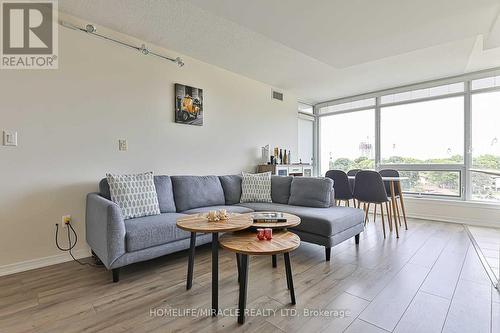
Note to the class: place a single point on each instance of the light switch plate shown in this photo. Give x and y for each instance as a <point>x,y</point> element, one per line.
<point>9,138</point>
<point>122,145</point>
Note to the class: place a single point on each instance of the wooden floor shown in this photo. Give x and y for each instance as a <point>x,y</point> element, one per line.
<point>428,280</point>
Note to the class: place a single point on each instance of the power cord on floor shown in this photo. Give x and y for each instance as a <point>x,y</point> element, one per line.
<point>71,245</point>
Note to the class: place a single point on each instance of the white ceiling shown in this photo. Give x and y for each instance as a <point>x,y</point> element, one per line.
<point>319,49</point>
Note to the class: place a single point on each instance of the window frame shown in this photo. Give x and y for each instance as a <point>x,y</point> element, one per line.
<point>310,117</point>
<point>464,169</point>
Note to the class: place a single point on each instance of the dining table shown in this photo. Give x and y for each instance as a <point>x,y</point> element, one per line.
<point>394,183</point>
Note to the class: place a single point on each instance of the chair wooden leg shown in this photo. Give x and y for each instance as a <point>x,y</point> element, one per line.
<point>388,210</point>
<point>402,204</point>
<point>375,213</point>
<point>367,211</point>
<point>365,208</point>
<point>383,222</point>
<point>393,199</point>
<point>347,202</point>
<point>397,212</point>
<point>390,219</point>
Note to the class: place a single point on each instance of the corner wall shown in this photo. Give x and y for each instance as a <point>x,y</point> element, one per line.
<point>69,121</point>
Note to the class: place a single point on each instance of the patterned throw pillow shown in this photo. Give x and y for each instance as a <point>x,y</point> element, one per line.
<point>135,194</point>
<point>256,187</point>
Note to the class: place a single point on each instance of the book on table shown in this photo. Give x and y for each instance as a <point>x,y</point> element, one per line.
<point>269,217</point>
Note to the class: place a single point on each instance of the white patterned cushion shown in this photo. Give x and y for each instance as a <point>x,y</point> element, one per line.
<point>135,194</point>
<point>256,187</point>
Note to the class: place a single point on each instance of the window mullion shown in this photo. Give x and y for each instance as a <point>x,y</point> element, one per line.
<point>467,182</point>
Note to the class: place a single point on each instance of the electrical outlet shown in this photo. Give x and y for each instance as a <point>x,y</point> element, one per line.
<point>9,138</point>
<point>122,145</point>
<point>65,219</point>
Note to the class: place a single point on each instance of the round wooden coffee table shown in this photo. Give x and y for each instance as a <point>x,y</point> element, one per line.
<point>291,221</point>
<point>199,223</point>
<point>245,243</point>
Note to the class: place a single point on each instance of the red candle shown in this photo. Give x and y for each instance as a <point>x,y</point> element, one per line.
<point>268,233</point>
<point>260,234</point>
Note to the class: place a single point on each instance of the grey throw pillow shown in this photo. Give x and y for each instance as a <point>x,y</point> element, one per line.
<point>256,187</point>
<point>135,194</point>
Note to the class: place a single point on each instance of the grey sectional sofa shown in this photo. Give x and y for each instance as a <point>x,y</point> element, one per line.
<point>118,242</point>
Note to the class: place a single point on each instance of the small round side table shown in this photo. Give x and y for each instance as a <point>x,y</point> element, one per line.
<point>245,243</point>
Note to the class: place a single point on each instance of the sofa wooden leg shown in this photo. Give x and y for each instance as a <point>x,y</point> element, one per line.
<point>356,239</point>
<point>328,251</point>
<point>116,274</point>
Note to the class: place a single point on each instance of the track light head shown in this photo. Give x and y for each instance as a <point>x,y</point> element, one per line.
<point>143,49</point>
<point>90,28</point>
<point>179,62</point>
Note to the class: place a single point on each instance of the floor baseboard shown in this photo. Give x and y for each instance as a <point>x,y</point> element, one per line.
<point>27,265</point>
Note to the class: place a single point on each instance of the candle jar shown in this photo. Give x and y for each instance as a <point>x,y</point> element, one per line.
<point>260,234</point>
<point>268,233</point>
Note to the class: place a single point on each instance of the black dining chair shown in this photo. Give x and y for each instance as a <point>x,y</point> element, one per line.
<point>369,189</point>
<point>397,193</point>
<point>341,186</point>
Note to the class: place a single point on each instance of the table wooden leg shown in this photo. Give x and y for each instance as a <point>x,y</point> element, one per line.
<point>215,273</point>
<point>402,204</point>
<point>393,199</point>
<point>242,302</point>
<point>192,246</point>
<point>238,264</point>
<point>275,264</point>
<point>288,268</point>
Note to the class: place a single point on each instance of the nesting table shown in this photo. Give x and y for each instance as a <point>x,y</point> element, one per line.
<point>199,224</point>
<point>245,243</point>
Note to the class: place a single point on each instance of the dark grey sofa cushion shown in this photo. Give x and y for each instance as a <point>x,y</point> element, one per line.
<point>280,188</point>
<point>311,192</point>
<point>164,191</point>
<point>230,208</point>
<point>320,221</point>
<point>148,231</point>
<point>232,188</point>
<point>197,191</point>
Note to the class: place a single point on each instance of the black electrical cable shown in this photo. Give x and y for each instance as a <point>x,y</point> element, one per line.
<point>71,245</point>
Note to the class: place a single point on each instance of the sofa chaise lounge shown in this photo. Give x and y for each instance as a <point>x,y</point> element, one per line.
<point>118,242</point>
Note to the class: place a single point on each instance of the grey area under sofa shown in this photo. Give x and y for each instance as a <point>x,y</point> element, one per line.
<point>118,242</point>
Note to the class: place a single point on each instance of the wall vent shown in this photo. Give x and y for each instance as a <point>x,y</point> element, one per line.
<point>277,95</point>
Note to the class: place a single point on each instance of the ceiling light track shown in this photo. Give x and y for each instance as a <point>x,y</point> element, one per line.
<point>91,30</point>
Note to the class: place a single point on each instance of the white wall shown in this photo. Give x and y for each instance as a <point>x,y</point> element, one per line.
<point>69,122</point>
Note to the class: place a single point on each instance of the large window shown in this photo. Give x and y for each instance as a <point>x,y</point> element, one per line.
<point>485,171</point>
<point>430,132</point>
<point>348,141</point>
<point>444,136</point>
